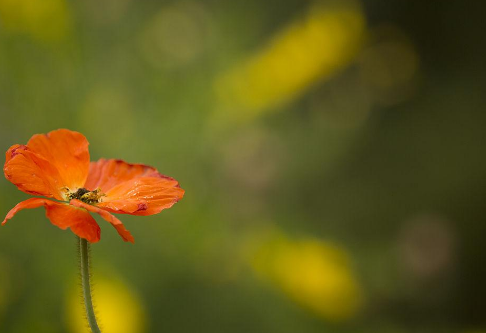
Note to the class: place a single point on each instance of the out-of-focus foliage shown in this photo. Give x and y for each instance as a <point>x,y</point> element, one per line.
<point>332,154</point>
<point>46,21</point>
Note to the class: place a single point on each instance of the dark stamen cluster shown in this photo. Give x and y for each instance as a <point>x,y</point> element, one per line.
<point>82,194</point>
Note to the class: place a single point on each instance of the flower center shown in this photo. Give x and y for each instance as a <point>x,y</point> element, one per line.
<point>86,196</point>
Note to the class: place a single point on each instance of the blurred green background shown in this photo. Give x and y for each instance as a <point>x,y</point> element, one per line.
<point>332,153</point>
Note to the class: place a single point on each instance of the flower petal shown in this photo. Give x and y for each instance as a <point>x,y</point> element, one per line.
<point>67,151</point>
<point>135,189</point>
<point>63,216</point>
<point>105,174</point>
<point>124,233</point>
<point>32,173</point>
<point>142,196</point>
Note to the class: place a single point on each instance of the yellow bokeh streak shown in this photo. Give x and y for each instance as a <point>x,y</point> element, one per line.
<point>304,52</point>
<point>315,274</point>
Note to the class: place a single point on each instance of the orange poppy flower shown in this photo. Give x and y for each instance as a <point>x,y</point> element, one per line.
<point>57,166</point>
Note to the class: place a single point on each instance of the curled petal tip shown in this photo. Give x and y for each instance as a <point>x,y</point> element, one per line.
<point>116,223</point>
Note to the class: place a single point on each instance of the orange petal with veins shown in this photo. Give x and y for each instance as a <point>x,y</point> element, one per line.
<point>63,216</point>
<point>105,174</point>
<point>142,196</point>
<point>124,233</point>
<point>67,151</point>
<point>32,173</point>
<point>135,189</point>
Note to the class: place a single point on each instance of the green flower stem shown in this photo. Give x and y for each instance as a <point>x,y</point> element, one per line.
<point>85,281</point>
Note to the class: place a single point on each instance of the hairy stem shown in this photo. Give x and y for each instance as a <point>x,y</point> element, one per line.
<point>85,281</point>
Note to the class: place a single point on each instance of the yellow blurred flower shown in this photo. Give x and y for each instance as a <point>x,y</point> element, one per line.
<point>45,20</point>
<point>315,274</point>
<point>118,308</point>
<point>302,53</point>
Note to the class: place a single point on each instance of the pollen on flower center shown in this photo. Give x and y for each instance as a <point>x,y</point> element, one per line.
<point>86,196</point>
